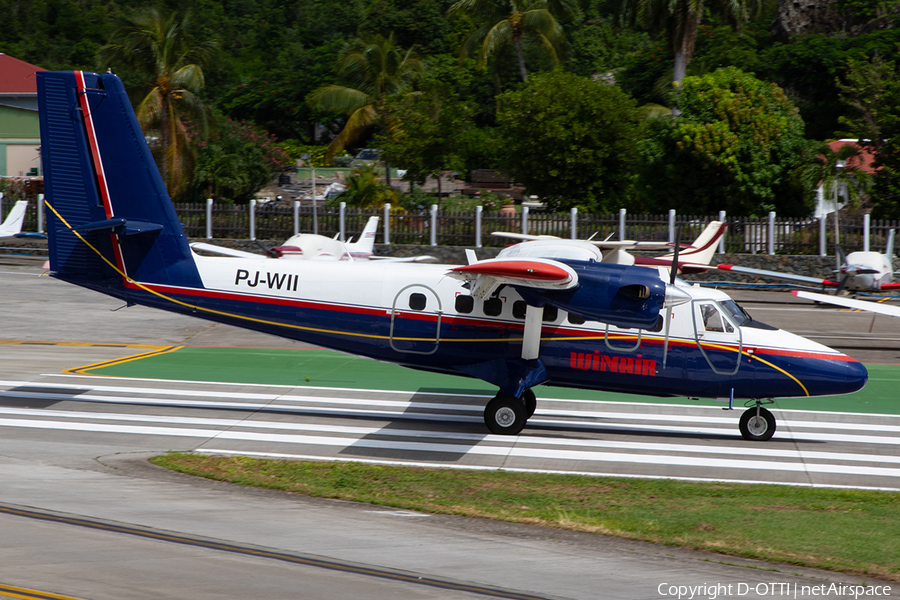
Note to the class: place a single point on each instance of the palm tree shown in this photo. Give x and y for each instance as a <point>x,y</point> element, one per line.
<point>373,70</point>
<point>681,19</point>
<point>512,22</point>
<point>158,50</point>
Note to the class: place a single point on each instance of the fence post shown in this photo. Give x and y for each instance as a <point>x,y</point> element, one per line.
<point>771,233</point>
<point>434,209</point>
<point>524,220</point>
<point>40,208</point>
<point>866,224</point>
<point>296,217</point>
<point>253,219</point>
<point>671,225</point>
<point>722,239</point>
<point>573,217</point>
<point>343,213</point>
<point>387,223</point>
<point>822,235</point>
<point>478,210</point>
<point>209,205</point>
<point>622,212</point>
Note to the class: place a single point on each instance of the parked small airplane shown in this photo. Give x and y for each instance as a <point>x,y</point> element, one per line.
<point>536,314</point>
<point>694,258</point>
<point>859,271</point>
<point>12,225</point>
<point>310,246</point>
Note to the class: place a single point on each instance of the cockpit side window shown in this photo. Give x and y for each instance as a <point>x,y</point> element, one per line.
<point>713,320</point>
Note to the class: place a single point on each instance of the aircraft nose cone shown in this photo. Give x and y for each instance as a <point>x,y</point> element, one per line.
<point>845,377</point>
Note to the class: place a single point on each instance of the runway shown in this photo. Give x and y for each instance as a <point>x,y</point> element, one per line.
<point>73,445</point>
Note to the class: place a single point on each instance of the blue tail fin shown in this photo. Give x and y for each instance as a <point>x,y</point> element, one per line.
<point>109,217</point>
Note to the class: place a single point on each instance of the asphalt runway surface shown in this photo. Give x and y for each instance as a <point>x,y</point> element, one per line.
<point>83,514</point>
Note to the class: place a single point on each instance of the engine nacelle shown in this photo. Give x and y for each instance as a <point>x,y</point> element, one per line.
<point>623,296</point>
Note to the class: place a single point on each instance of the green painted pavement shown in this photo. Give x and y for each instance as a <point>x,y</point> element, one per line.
<point>324,368</point>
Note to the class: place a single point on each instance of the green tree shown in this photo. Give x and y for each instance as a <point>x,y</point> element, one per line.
<point>872,91</point>
<point>514,22</point>
<point>680,20</point>
<point>427,130</point>
<point>373,69</point>
<point>236,161</point>
<point>365,190</point>
<point>570,140</point>
<point>735,147</point>
<point>158,49</point>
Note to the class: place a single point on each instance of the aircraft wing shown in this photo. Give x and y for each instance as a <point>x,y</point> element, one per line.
<point>890,286</point>
<point>778,275</point>
<point>423,258</point>
<point>485,276</point>
<point>876,307</point>
<point>223,251</point>
<point>602,244</point>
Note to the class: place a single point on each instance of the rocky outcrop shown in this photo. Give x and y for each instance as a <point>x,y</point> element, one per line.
<point>796,17</point>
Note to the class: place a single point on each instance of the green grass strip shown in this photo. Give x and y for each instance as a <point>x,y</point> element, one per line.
<point>849,531</point>
<point>325,368</point>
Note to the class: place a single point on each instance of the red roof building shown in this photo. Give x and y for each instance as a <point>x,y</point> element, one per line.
<point>20,135</point>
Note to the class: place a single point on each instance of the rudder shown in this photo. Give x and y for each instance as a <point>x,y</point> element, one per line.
<point>108,213</point>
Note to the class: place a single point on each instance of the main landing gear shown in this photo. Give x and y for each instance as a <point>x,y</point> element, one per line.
<point>757,424</point>
<point>506,415</point>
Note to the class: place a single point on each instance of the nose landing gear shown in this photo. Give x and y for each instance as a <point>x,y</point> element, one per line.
<point>757,424</point>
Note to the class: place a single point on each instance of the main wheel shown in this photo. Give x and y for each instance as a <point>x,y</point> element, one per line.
<point>757,428</point>
<point>530,402</point>
<point>505,415</point>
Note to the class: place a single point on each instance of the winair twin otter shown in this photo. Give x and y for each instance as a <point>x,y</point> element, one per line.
<point>545,312</point>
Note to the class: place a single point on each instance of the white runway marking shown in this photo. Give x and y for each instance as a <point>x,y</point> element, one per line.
<point>707,447</point>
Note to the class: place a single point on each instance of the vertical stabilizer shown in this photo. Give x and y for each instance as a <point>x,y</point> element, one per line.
<point>705,246</point>
<point>13,222</point>
<point>365,246</point>
<point>109,217</point>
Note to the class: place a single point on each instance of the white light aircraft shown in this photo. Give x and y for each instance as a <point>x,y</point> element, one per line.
<point>542,312</point>
<point>859,271</point>
<point>693,258</point>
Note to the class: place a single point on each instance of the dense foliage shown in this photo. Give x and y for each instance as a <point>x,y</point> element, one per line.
<point>735,147</point>
<point>570,140</point>
<point>272,57</point>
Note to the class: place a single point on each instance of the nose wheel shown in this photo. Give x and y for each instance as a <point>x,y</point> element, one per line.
<point>757,424</point>
<point>506,415</point>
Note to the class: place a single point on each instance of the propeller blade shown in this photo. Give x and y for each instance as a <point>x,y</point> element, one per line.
<point>666,342</point>
<point>840,287</point>
<point>674,271</point>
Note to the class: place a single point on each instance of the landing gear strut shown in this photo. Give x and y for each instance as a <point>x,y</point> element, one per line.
<point>506,415</point>
<point>757,424</point>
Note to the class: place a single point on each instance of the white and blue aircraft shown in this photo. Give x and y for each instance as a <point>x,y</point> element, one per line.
<point>543,312</point>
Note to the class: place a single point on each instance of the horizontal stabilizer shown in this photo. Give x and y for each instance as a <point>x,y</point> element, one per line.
<point>778,275</point>
<point>120,226</point>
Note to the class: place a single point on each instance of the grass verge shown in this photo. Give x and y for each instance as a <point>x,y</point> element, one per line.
<point>850,531</point>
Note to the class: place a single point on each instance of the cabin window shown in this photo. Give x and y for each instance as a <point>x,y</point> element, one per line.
<point>465,304</point>
<point>519,309</point>
<point>417,301</point>
<point>493,307</point>
<point>576,319</point>
<point>550,313</point>
<point>712,319</point>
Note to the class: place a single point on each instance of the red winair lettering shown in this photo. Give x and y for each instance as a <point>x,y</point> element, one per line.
<point>613,364</point>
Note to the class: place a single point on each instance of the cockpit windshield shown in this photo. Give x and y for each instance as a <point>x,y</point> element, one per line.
<point>737,314</point>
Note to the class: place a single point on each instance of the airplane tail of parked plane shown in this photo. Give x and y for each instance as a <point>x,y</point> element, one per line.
<point>110,221</point>
<point>704,247</point>
<point>13,222</point>
<point>365,245</point>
